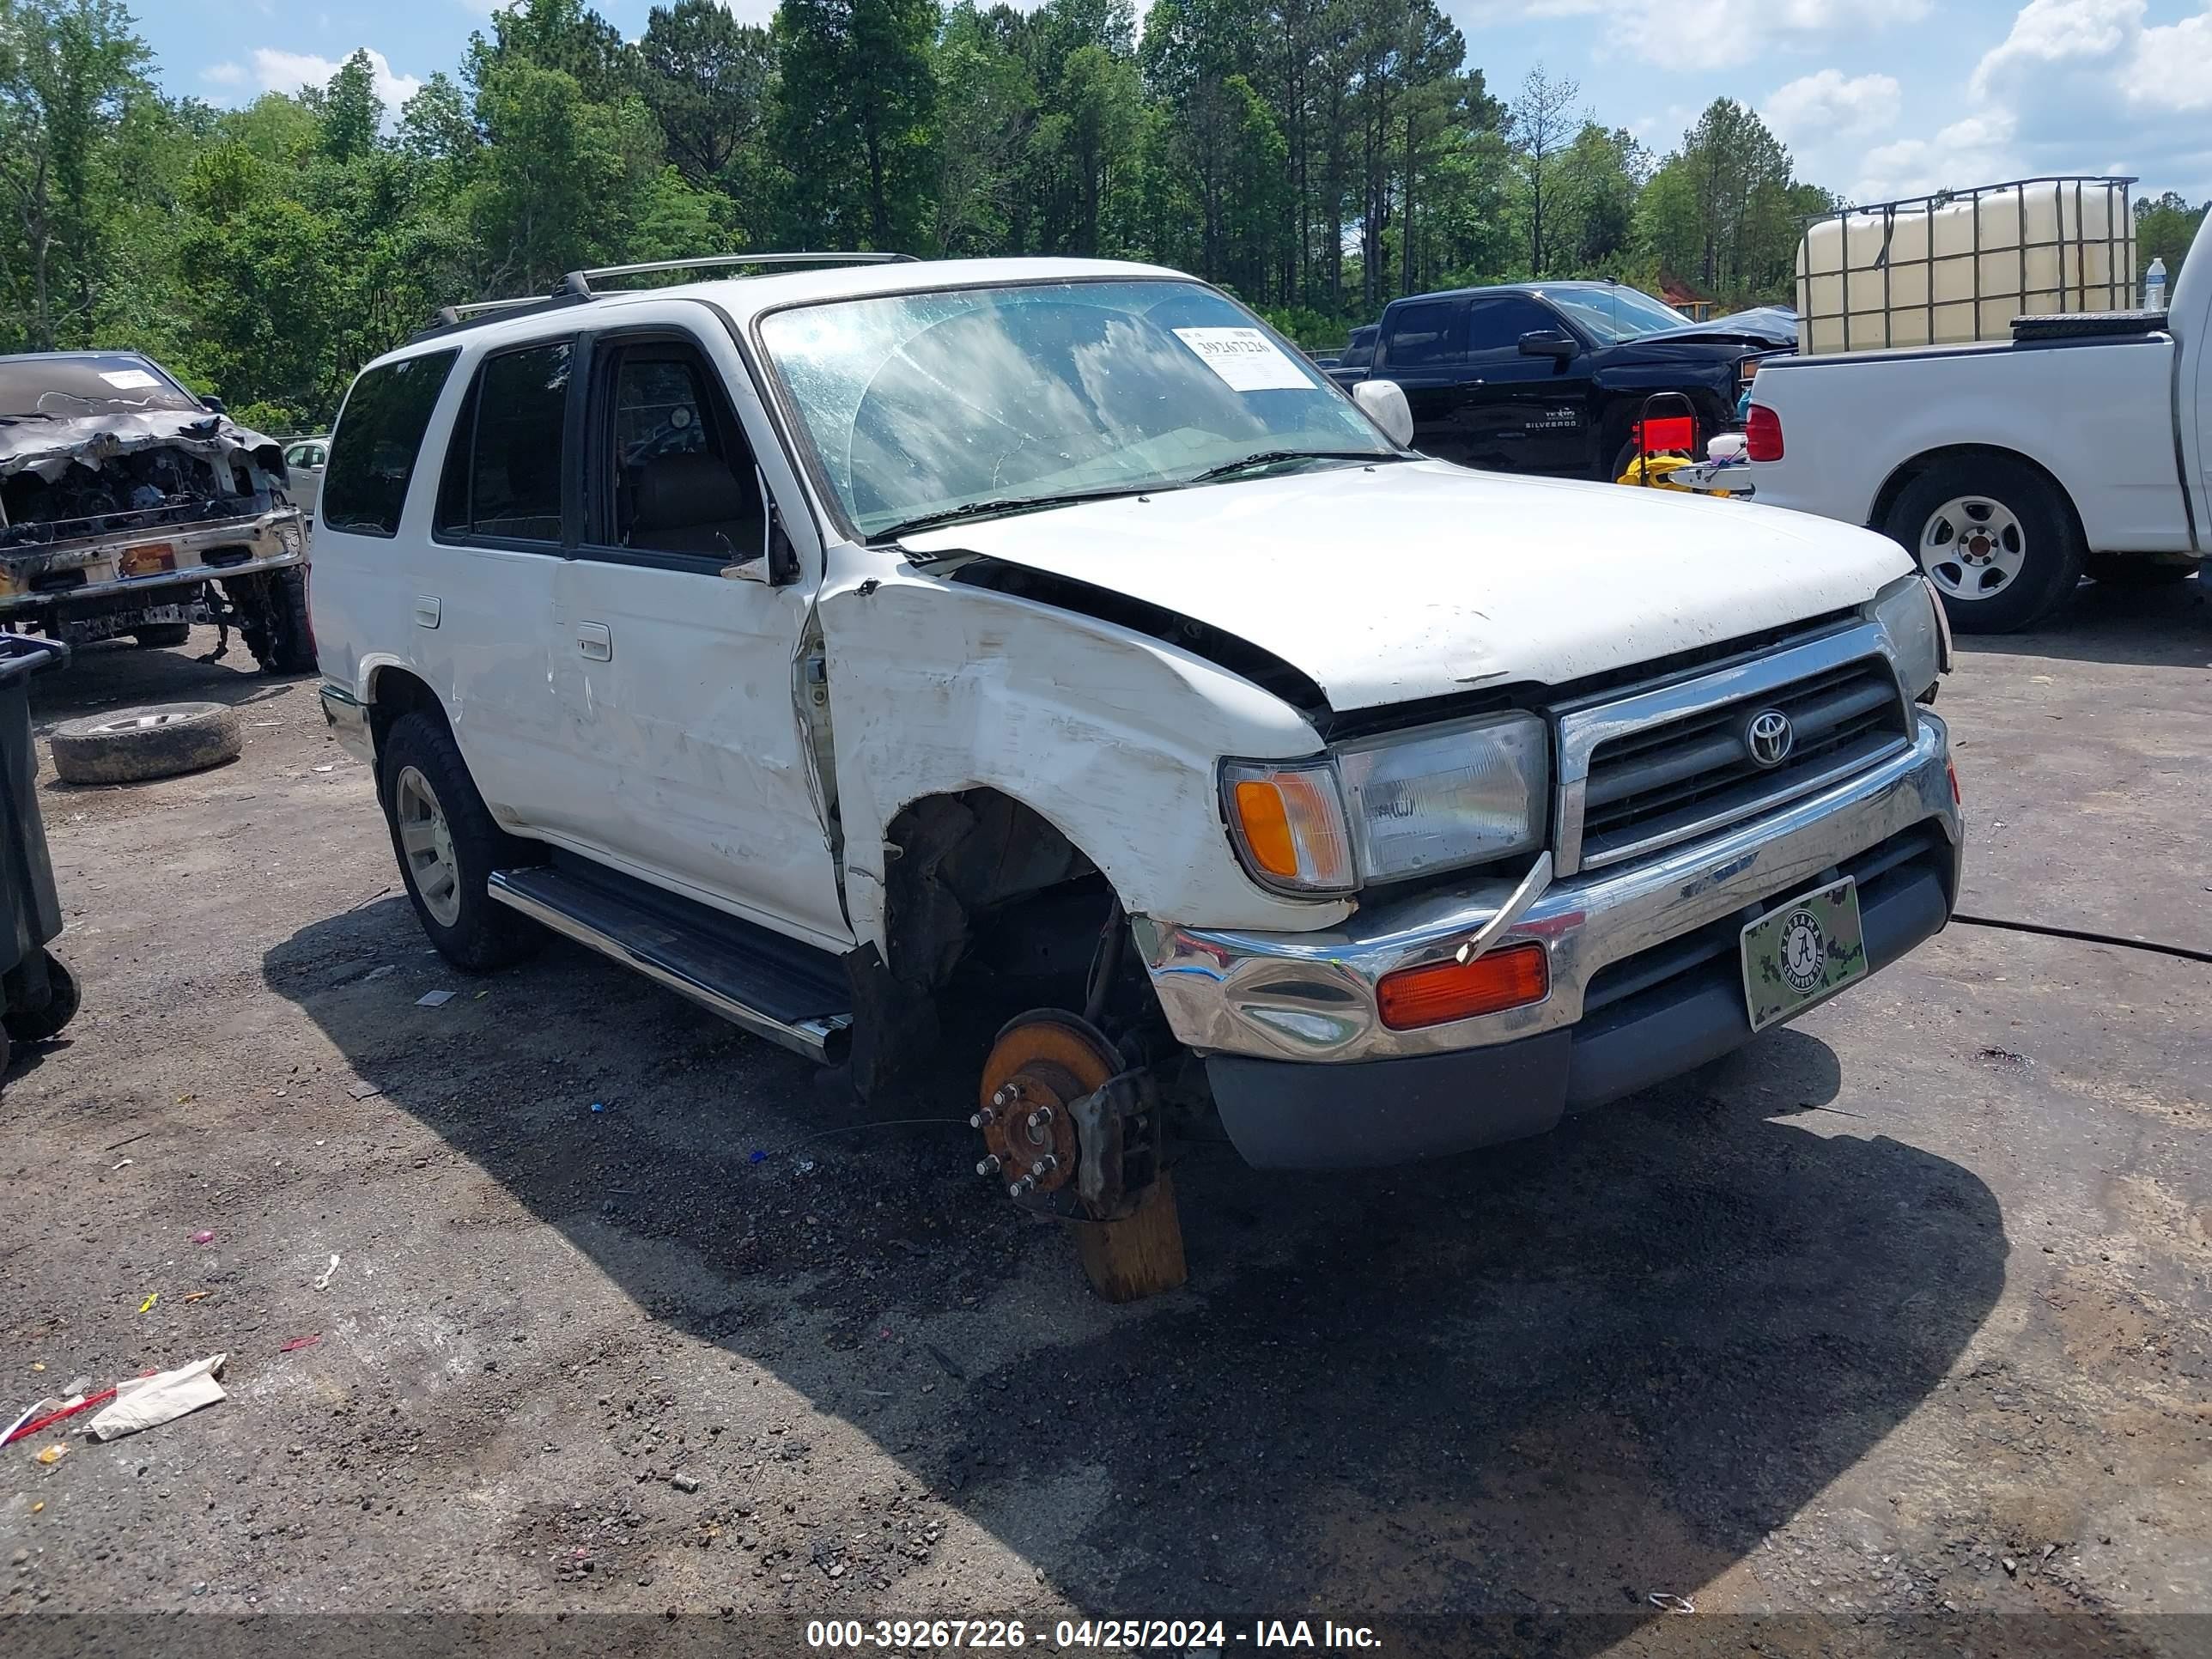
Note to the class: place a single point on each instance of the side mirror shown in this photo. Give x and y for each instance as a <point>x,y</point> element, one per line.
<point>214,405</point>
<point>1548,343</point>
<point>1384,403</point>
<point>777,562</point>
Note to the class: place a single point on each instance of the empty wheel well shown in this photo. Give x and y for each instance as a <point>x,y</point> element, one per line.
<point>980,878</point>
<point>1920,466</point>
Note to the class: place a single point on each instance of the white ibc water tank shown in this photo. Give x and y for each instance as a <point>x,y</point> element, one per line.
<point>1943,270</point>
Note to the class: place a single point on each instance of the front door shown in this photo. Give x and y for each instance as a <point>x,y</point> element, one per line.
<point>679,682</point>
<point>1535,409</point>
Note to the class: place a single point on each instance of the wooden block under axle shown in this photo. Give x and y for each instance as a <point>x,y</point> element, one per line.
<point>1139,1256</point>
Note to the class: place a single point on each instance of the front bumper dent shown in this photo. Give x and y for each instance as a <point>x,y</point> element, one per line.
<point>1643,974</point>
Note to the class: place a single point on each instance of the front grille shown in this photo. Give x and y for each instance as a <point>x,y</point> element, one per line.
<point>1664,783</point>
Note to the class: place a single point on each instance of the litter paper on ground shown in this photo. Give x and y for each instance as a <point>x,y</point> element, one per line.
<point>143,1402</point>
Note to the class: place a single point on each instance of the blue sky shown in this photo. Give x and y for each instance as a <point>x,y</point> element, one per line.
<point>1877,97</point>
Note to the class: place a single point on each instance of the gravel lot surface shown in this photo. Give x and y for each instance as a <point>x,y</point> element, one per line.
<point>1890,1331</point>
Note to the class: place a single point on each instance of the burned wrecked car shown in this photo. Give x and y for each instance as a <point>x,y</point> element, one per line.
<point>128,506</point>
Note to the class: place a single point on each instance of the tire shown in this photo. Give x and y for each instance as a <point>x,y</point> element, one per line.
<point>1995,538</point>
<point>163,637</point>
<point>42,1024</point>
<point>273,620</point>
<point>134,744</point>
<point>2122,570</point>
<point>448,845</point>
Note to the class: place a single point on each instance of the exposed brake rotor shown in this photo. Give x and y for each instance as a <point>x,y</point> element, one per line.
<point>1041,1066</point>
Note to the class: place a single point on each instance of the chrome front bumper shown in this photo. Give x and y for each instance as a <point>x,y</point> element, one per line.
<point>1311,997</point>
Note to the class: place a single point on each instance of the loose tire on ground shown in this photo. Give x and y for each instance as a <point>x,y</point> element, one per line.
<point>2122,570</point>
<point>163,636</point>
<point>134,744</point>
<point>45,1022</point>
<point>2032,555</point>
<point>448,845</point>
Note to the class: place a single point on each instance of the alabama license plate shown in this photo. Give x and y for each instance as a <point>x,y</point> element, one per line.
<point>149,559</point>
<point>1801,951</point>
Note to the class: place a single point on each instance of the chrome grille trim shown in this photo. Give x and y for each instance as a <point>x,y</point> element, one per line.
<point>1584,729</point>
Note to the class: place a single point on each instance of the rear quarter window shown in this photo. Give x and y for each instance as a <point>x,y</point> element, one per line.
<point>380,435</point>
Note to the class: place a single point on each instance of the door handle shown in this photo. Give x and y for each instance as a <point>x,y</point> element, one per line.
<point>425,611</point>
<point>596,640</point>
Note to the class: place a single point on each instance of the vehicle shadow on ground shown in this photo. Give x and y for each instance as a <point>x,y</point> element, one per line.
<point>2150,627</point>
<point>117,674</point>
<point>1562,1375</point>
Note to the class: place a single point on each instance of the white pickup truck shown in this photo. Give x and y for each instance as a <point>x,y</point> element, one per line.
<point>900,653</point>
<point>2083,445</point>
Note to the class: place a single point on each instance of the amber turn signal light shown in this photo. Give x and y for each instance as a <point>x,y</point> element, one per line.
<point>1511,978</point>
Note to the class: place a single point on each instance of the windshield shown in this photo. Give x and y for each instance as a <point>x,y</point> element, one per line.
<point>107,383</point>
<point>921,403</point>
<point>1614,313</point>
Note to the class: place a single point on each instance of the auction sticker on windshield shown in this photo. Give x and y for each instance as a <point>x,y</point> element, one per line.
<point>1801,951</point>
<point>1245,359</point>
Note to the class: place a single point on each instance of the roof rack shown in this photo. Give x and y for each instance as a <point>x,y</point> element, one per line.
<point>577,284</point>
<point>575,288</point>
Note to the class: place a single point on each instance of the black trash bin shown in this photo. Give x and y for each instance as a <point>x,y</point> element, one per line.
<point>38,995</point>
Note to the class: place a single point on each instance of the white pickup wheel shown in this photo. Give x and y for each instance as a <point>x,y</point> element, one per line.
<point>1993,536</point>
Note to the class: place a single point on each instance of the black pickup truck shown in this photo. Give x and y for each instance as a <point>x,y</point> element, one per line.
<point>1551,377</point>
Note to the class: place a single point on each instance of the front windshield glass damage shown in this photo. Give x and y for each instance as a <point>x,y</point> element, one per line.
<point>1616,311</point>
<point>939,405</point>
<point>65,388</point>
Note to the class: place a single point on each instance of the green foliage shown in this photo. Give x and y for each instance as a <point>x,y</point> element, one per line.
<point>2165,226</point>
<point>1318,157</point>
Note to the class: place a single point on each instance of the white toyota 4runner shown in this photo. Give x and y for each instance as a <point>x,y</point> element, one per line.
<point>892,651</point>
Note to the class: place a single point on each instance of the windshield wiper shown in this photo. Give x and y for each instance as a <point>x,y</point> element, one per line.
<point>1008,504</point>
<point>1275,457</point>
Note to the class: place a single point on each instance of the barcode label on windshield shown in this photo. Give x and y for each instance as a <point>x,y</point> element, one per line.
<point>1245,359</point>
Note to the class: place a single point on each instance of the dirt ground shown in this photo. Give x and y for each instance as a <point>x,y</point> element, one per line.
<point>1888,1333</point>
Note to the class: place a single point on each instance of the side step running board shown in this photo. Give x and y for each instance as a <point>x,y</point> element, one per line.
<point>777,988</point>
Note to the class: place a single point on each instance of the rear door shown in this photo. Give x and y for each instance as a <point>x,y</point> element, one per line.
<point>1423,347</point>
<point>482,598</point>
<point>679,678</point>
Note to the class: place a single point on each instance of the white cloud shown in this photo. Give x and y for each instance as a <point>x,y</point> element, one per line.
<point>288,71</point>
<point>223,75</point>
<point>1682,34</point>
<point>1830,104</point>
<point>2074,84</point>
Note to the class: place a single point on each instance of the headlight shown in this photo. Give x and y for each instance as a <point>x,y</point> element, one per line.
<point>1919,636</point>
<point>1393,807</point>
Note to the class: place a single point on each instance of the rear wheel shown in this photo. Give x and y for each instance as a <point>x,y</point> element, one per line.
<point>448,845</point>
<point>163,636</point>
<point>1995,538</point>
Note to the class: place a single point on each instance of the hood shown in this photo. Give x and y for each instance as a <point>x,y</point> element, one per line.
<point>48,447</point>
<point>1420,578</point>
<point>1767,325</point>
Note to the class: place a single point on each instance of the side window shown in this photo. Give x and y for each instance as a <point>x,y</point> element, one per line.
<point>1424,334</point>
<point>381,427</point>
<point>297,455</point>
<point>1498,324</point>
<point>504,464</point>
<point>683,477</point>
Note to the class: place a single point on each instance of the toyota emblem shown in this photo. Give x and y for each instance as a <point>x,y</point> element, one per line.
<point>1769,737</point>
